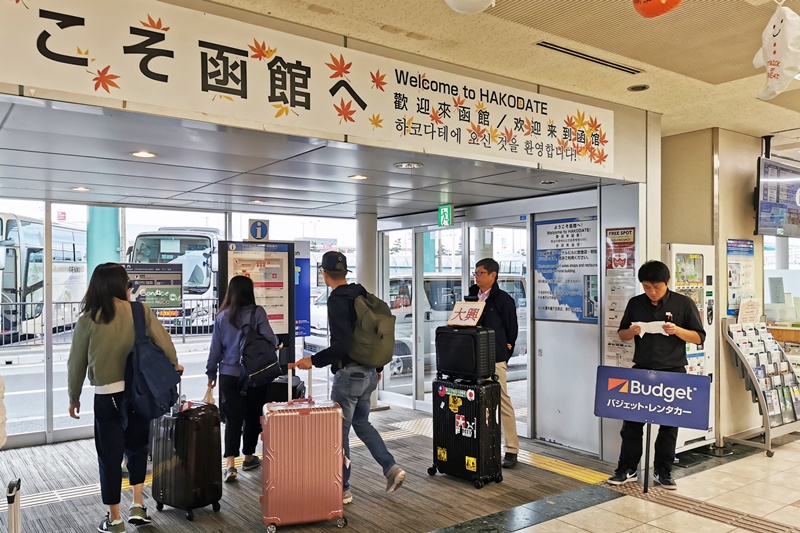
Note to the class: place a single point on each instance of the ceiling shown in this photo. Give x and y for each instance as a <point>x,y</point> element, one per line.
<point>696,60</point>
<point>48,148</point>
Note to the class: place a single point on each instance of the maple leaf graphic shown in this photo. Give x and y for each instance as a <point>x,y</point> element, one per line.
<point>155,24</point>
<point>494,134</point>
<point>343,110</point>
<point>458,101</point>
<point>435,117</point>
<point>477,130</point>
<point>261,51</point>
<point>593,125</point>
<point>603,139</point>
<point>376,121</point>
<point>23,3</point>
<point>563,143</point>
<point>600,156</point>
<point>528,127</point>
<point>570,122</point>
<point>580,120</point>
<point>282,110</point>
<point>339,67</point>
<point>508,134</point>
<point>105,80</point>
<point>378,79</point>
<point>480,107</point>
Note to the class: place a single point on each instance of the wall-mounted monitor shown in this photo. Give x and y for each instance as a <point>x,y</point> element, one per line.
<point>778,195</point>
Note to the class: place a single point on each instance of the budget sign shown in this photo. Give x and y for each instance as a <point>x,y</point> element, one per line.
<point>665,398</point>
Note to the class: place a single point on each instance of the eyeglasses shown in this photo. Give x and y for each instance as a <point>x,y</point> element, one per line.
<point>480,273</point>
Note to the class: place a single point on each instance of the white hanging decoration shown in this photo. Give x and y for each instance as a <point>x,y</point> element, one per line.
<point>469,7</point>
<point>780,52</point>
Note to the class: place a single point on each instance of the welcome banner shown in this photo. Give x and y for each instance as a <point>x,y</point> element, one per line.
<point>152,53</point>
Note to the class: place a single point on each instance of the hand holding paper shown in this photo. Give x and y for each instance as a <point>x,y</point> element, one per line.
<point>654,328</point>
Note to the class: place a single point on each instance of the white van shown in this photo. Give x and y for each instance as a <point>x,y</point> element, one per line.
<point>442,291</point>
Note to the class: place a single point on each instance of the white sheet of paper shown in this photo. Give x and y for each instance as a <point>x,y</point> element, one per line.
<point>653,328</point>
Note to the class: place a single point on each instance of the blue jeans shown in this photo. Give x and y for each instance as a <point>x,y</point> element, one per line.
<point>351,389</point>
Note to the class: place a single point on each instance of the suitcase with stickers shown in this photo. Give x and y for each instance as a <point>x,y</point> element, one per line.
<point>466,431</point>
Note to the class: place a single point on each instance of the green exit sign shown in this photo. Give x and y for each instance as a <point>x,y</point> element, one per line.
<point>446,215</point>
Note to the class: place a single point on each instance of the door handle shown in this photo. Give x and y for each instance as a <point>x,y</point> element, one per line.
<point>427,315</point>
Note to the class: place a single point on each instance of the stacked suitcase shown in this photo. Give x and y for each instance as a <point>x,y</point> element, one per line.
<point>186,450</point>
<point>303,460</point>
<point>466,406</point>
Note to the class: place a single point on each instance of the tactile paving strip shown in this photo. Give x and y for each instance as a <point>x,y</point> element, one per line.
<point>704,509</point>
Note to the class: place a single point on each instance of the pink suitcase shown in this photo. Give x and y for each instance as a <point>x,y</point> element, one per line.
<point>303,462</point>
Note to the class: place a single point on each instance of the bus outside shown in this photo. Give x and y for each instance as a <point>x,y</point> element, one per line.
<point>196,250</point>
<point>22,267</point>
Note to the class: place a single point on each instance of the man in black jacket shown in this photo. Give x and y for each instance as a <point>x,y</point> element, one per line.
<point>353,384</point>
<point>665,352</point>
<point>499,314</point>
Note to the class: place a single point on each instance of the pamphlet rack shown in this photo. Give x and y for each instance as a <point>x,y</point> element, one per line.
<point>774,423</point>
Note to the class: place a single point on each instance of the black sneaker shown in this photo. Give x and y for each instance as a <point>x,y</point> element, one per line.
<point>117,526</point>
<point>510,460</point>
<point>621,477</point>
<point>666,481</point>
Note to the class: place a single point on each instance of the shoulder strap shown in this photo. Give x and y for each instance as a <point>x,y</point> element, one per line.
<point>253,318</point>
<point>137,309</point>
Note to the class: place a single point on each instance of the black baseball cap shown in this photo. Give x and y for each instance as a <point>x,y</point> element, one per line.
<point>334,262</point>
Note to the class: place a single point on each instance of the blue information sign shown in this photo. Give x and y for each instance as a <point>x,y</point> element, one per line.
<point>665,398</point>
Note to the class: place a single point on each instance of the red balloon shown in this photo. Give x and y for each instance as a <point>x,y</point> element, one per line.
<point>655,8</point>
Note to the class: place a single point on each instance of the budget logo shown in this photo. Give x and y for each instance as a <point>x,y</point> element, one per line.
<point>614,383</point>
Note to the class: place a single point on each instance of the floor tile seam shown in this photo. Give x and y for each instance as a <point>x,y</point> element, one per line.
<point>710,511</point>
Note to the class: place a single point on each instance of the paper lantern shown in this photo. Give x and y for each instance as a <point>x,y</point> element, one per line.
<point>469,7</point>
<point>654,8</point>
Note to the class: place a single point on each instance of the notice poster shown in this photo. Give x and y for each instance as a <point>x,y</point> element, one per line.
<point>159,285</point>
<point>268,265</point>
<point>618,352</point>
<point>741,273</point>
<point>620,272</point>
<point>566,267</point>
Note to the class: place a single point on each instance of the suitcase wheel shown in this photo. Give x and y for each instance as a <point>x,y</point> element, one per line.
<point>342,522</point>
<point>478,484</point>
<point>498,478</point>
<point>189,515</point>
<point>216,505</point>
<point>159,506</point>
<point>432,470</point>
<point>271,528</point>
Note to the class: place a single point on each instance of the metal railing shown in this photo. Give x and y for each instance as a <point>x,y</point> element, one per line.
<point>23,322</point>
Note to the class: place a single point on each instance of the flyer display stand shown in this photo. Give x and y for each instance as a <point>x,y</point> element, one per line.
<point>771,380</point>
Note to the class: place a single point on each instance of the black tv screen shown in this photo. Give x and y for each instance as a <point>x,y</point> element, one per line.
<point>778,199</point>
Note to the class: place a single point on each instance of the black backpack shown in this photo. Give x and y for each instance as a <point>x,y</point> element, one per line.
<point>257,356</point>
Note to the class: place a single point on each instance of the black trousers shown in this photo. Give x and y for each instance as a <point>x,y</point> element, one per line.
<point>242,415</point>
<point>631,452</point>
<point>111,441</point>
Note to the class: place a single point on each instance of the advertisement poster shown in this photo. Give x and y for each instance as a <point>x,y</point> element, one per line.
<point>620,272</point>
<point>741,273</point>
<point>566,267</point>
<point>302,288</point>
<point>159,285</point>
<point>157,54</point>
<point>267,264</point>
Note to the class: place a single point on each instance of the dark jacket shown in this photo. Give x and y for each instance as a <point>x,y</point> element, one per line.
<point>341,323</point>
<point>499,314</point>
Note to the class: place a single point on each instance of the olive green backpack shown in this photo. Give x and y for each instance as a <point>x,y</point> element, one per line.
<point>373,336</point>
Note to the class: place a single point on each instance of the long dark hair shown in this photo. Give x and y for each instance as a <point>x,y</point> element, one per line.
<point>109,281</point>
<point>238,296</point>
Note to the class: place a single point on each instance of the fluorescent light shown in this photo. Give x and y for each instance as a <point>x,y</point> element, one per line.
<point>257,202</point>
<point>144,154</point>
<point>357,177</point>
<point>81,189</point>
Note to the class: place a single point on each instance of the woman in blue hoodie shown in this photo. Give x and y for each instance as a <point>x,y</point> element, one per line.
<point>242,413</point>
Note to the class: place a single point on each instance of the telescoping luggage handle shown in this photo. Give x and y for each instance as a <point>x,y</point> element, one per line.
<point>289,374</point>
<point>14,519</point>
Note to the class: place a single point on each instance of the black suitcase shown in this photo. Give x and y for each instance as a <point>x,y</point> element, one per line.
<point>187,459</point>
<point>465,352</point>
<point>466,431</point>
<point>276,390</point>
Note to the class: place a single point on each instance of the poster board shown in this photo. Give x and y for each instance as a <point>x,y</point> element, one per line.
<point>159,285</point>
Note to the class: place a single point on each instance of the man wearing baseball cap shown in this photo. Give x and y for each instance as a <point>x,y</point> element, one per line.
<point>353,384</point>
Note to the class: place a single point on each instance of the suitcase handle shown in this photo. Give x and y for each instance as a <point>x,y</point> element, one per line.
<point>289,375</point>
